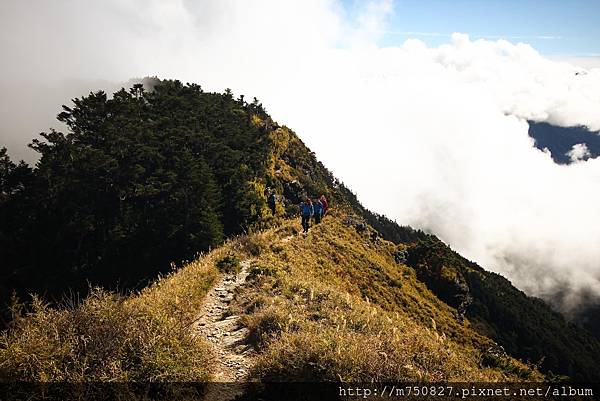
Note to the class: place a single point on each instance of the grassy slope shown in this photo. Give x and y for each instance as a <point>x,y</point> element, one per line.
<point>332,305</point>
<point>335,305</point>
<point>112,338</point>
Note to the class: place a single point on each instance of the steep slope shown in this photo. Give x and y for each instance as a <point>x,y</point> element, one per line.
<point>526,327</point>
<point>338,304</point>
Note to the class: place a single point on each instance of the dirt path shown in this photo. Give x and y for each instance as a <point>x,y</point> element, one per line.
<point>224,330</point>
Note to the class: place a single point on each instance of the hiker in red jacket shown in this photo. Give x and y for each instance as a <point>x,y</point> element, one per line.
<point>325,204</point>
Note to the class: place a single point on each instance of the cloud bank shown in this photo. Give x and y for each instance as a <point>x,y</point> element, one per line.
<point>432,137</point>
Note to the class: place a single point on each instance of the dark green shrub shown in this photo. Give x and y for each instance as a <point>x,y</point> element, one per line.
<point>229,264</point>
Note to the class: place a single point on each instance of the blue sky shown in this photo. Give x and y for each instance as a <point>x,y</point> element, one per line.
<point>553,27</point>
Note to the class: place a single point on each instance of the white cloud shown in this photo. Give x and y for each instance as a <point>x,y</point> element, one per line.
<point>493,37</point>
<point>579,152</point>
<point>585,61</point>
<point>434,137</point>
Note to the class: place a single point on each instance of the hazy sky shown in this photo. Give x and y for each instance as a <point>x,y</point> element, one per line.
<point>420,107</point>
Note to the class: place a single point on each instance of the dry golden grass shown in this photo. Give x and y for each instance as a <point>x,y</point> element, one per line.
<point>334,305</point>
<point>144,337</point>
<point>104,339</point>
<point>330,305</point>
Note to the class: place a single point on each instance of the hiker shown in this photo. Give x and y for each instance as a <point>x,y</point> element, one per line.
<point>325,204</point>
<point>272,201</point>
<point>318,208</point>
<point>307,210</point>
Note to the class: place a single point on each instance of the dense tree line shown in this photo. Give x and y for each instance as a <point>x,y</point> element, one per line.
<point>140,180</point>
<point>525,326</point>
<point>143,179</point>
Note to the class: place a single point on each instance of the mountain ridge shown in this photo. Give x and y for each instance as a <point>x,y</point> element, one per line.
<point>560,140</point>
<point>177,145</point>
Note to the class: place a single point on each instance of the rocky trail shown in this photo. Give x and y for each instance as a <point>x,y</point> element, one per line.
<point>224,330</point>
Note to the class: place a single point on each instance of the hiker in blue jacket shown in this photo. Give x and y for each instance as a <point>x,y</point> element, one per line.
<point>307,212</point>
<point>318,210</point>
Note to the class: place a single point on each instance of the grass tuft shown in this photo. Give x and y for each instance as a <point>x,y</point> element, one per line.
<point>229,264</point>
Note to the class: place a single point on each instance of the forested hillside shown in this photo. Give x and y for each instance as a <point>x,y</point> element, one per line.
<point>141,180</point>
<point>526,327</point>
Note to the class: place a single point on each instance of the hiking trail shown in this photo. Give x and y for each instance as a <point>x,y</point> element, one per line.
<point>224,331</point>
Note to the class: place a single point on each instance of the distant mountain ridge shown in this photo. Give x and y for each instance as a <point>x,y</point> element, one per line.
<point>560,140</point>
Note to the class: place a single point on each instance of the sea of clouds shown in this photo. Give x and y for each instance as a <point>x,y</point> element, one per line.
<point>432,137</point>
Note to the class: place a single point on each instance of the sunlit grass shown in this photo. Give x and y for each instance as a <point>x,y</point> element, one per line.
<point>335,305</point>
<point>332,304</point>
